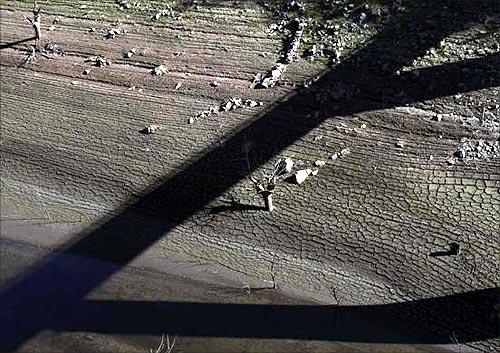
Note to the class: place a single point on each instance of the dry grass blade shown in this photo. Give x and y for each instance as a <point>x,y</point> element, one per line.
<point>165,346</point>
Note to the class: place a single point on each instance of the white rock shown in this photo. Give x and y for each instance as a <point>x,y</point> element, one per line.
<point>302,175</point>
<point>150,129</point>
<point>345,152</point>
<point>251,103</point>
<point>319,163</point>
<point>160,70</point>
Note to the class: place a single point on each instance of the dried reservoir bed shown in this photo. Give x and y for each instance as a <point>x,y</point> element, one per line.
<point>401,222</point>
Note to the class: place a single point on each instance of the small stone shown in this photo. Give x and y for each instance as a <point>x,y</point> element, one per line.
<point>400,144</point>
<point>98,61</point>
<point>363,126</point>
<point>301,175</point>
<point>150,129</point>
<point>191,120</point>
<point>130,53</point>
<point>251,103</point>
<point>319,163</point>
<point>111,33</point>
<point>438,117</point>
<point>178,85</point>
<point>227,106</point>
<point>159,70</point>
<point>92,30</point>
<point>334,156</point>
<point>51,28</point>
<point>451,161</point>
<point>214,84</point>
<point>317,138</point>
<point>86,71</point>
<point>431,157</point>
<point>74,82</point>
<point>345,152</point>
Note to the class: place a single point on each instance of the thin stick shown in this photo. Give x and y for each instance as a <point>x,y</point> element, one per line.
<point>36,23</point>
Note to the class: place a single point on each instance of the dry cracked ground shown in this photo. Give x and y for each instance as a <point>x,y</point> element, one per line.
<point>128,208</point>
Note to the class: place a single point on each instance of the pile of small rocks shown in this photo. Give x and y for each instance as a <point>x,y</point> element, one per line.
<point>477,149</point>
<point>98,61</point>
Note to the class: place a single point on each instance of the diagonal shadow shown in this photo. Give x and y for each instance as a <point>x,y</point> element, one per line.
<point>59,284</point>
<point>366,323</point>
<point>11,44</point>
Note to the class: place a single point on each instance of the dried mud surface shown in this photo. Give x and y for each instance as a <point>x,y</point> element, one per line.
<point>375,226</point>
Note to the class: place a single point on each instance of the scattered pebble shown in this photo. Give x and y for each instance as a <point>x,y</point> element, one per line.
<point>252,104</point>
<point>301,175</point>
<point>334,156</point>
<point>111,33</point>
<point>271,78</point>
<point>477,149</point>
<point>451,161</point>
<point>178,85</point>
<point>236,102</point>
<point>98,61</point>
<point>214,84</point>
<point>52,49</point>
<point>204,114</point>
<point>130,53</point>
<point>400,144</point>
<point>86,71</point>
<point>319,163</point>
<point>123,4</point>
<point>345,152</point>
<point>150,129</point>
<point>159,70</point>
<point>168,11</point>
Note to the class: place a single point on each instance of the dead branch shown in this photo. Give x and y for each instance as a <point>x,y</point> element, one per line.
<point>36,23</point>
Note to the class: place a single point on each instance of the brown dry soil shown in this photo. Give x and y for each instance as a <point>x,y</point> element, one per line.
<point>110,237</point>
